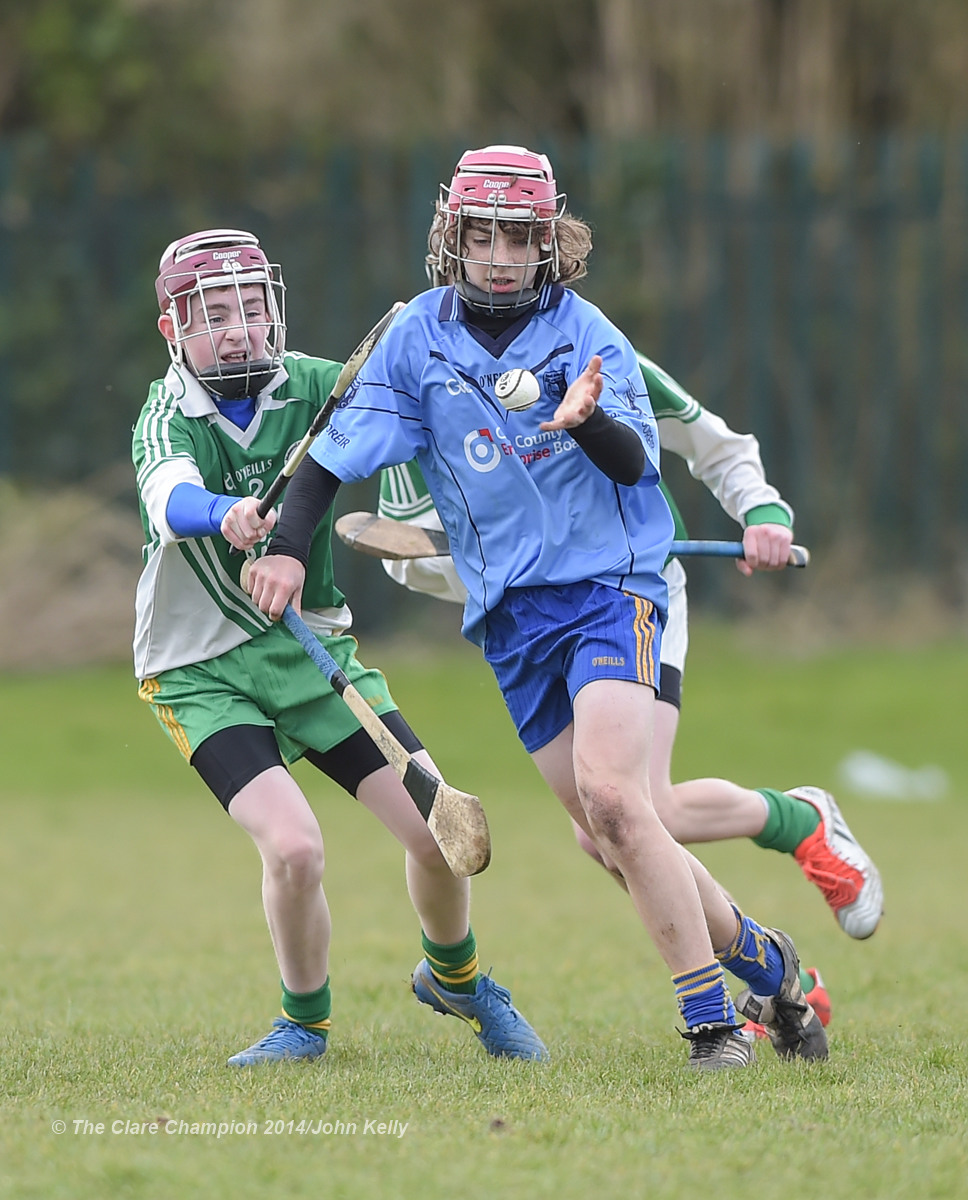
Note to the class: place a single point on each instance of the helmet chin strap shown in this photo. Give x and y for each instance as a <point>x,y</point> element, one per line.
<point>251,378</point>
<point>503,302</point>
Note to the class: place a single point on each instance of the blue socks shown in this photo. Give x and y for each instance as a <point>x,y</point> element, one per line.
<point>702,996</point>
<point>754,957</point>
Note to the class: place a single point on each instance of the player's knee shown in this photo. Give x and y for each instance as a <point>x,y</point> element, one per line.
<point>595,854</point>
<point>606,810</point>
<point>296,858</point>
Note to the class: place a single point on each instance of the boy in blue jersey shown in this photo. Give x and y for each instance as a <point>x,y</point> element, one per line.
<point>559,531</point>
<point>236,693</point>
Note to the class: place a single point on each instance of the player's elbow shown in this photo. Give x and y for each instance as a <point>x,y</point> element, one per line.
<point>631,470</point>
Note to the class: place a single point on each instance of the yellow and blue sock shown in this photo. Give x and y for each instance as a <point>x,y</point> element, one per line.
<point>702,996</point>
<point>454,966</point>
<point>753,956</point>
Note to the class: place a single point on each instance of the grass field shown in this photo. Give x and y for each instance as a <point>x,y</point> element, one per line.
<point>134,961</point>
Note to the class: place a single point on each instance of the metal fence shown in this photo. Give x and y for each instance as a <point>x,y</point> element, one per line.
<point>816,295</point>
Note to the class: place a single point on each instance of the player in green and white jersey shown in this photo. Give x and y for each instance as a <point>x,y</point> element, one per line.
<point>234,691</point>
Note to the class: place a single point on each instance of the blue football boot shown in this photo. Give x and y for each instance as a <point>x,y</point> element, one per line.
<point>285,1040</point>
<point>500,1028</point>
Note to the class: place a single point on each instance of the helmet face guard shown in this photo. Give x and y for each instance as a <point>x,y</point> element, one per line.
<point>504,188</point>
<point>196,269</point>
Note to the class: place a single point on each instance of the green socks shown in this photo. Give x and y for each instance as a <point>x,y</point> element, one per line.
<point>311,1009</point>
<point>788,821</point>
<point>455,966</point>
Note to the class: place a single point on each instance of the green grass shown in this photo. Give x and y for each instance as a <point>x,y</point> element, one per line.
<point>135,960</point>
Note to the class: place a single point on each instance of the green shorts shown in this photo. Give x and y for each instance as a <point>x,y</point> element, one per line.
<point>268,681</point>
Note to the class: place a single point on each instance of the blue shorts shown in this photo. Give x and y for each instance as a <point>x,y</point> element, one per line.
<point>545,643</point>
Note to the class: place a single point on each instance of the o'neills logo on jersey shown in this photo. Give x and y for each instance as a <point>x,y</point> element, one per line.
<point>480,450</point>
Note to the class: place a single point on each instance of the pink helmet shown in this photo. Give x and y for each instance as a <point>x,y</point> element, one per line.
<point>499,184</point>
<point>221,258</point>
<point>509,182</point>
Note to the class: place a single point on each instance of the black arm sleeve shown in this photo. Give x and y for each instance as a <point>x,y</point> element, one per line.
<point>612,447</point>
<point>312,490</point>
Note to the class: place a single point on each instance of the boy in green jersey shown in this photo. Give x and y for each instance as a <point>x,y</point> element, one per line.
<point>234,691</point>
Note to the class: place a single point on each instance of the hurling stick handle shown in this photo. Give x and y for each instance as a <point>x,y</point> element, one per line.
<point>348,372</point>
<point>278,485</point>
<point>394,752</point>
<point>455,819</point>
<point>799,555</point>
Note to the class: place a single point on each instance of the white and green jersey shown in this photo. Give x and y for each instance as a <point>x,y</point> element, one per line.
<point>190,605</point>
<point>727,462</point>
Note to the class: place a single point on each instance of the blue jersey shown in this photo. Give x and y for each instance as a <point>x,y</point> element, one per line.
<point>521,507</point>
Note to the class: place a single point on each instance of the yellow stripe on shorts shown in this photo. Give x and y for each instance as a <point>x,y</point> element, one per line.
<point>644,640</point>
<point>147,691</point>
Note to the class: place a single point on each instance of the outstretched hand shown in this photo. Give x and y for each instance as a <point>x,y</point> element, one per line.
<point>581,399</point>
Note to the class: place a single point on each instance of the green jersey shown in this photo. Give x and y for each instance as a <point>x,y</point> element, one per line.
<point>190,604</point>
<point>727,462</point>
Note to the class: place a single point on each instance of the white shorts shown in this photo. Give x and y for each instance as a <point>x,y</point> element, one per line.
<point>675,635</point>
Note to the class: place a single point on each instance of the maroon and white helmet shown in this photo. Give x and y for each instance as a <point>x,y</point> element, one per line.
<point>501,184</point>
<point>221,258</point>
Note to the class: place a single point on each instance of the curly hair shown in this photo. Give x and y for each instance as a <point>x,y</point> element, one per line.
<point>573,236</point>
